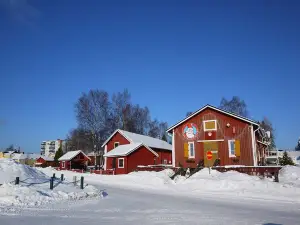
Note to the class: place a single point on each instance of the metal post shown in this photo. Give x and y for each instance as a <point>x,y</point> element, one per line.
<point>75,180</point>
<point>62,177</point>
<point>276,177</point>
<point>17,180</point>
<point>51,183</point>
<point>53,175</point>
<point>81,182</point>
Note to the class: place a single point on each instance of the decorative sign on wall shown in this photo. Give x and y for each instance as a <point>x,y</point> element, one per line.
<point>190,131</point>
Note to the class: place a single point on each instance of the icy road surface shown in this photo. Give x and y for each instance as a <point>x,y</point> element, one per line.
<point>136,207</point>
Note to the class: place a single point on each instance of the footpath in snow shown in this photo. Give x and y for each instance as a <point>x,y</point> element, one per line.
<point>230,184</point>
<point>34,187</point>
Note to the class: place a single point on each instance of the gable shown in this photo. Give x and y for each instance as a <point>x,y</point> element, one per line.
<point>221,131</point>
<point>213,110</point>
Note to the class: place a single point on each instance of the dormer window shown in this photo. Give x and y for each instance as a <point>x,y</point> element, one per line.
<point>116,144</point>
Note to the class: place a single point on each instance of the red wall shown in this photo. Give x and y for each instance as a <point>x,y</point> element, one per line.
<point>67,165</point>
<point>40,160</point>
<point>116,138</point>
<point>141,156</point>
<point>242,131</point>
<point>163,154</point>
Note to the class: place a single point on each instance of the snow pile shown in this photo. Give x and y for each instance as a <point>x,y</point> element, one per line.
<point>9,170</point>
<point>226,185</point>
<point>34,188</point>
<point>290,175</point>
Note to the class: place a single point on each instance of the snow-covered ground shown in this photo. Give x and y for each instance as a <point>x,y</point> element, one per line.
<point>130,207</point>
<point>225,185</point>
<point>34,187</point>
<point>153,198</point>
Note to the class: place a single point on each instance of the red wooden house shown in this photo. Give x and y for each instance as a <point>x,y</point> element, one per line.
<point>124,151</point>
<point>44,161</point>
<point>73,160</point>
<point>211,133</point>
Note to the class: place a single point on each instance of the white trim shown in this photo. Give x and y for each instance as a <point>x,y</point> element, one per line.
<point>191,142</point>
<point>115,144</point>
<point>63,165</point>
<point>173,149</point>
<point>229,148</point>
<point>205,121</point>
<point>118,130</point>
<point>253,147</point>
<point>210,140</point>
<point>105,159</point>
<point>262,143</point>
<point>214,108</point>
<point>119,162</point>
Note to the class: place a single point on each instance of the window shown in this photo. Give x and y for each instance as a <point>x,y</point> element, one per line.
<point>191,150</point>
<point>210,125</point>
<point>121,163</point>
<point>63,164</point>
<point>116,144</point>
<point>231,145</point>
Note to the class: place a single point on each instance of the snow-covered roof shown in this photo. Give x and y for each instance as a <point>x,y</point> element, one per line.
<point>33,156</point>
<point>18,156</point>
<point>123,150</point>
<point>138,138</point>
<point>47,158</point>
<point>216,109</point>
<point>70,155</point>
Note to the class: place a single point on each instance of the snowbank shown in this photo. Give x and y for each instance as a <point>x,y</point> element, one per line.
<point>225,185</point>
<point>34,188</point>
<point>290,175</point>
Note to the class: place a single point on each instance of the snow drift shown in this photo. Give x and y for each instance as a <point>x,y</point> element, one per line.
<point>34,188</point>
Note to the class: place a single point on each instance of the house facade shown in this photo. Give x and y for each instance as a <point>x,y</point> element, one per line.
<point>124,151</point>
<point>74,160</point>
<point>44,161</point>
<point>210,134</point>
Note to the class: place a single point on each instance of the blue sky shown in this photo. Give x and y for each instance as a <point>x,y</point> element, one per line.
<point>173,56</point>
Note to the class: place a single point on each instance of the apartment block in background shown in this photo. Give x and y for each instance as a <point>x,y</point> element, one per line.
<point>49,148</point>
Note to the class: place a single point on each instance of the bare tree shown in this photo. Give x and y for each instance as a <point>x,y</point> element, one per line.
<point>79,139</point>
<point>93,113</point>
<point>188,114</point>
<point>235,105</point>
<point>268,126</point>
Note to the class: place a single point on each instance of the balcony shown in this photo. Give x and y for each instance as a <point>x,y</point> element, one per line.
<point>272,154</point>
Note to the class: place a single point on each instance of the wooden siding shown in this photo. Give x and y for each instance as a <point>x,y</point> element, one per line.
<point>116,138</point>
<point>238,130</point>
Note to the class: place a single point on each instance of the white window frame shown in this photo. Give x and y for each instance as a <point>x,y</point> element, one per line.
<point>204,121</point>
<point>63,164</point>
<point>191,156</point>
<point>115,144</point>
<point>229,149</point>
<point>119,162</point>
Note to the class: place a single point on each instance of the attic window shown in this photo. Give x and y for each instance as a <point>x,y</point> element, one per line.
<point>116,144</point>
<point>210,125</point>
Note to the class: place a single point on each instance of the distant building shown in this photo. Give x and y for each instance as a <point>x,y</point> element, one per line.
<point>49,148</point>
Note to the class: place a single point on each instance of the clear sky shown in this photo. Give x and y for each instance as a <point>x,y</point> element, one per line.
<point>173,56</point>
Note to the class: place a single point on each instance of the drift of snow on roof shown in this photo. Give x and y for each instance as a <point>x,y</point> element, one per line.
<point>149,141</point>
<point>123,150</point>
<point>70,155</point>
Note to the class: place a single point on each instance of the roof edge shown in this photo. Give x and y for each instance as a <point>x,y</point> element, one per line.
<point>214,108</point>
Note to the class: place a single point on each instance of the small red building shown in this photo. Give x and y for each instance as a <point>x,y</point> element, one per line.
<point>44,161</point>
<point>73,160</point>
<point>124,151</point>
<point>211,133</point>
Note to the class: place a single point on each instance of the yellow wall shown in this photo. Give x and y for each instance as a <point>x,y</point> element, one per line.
<point>1,155</point>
